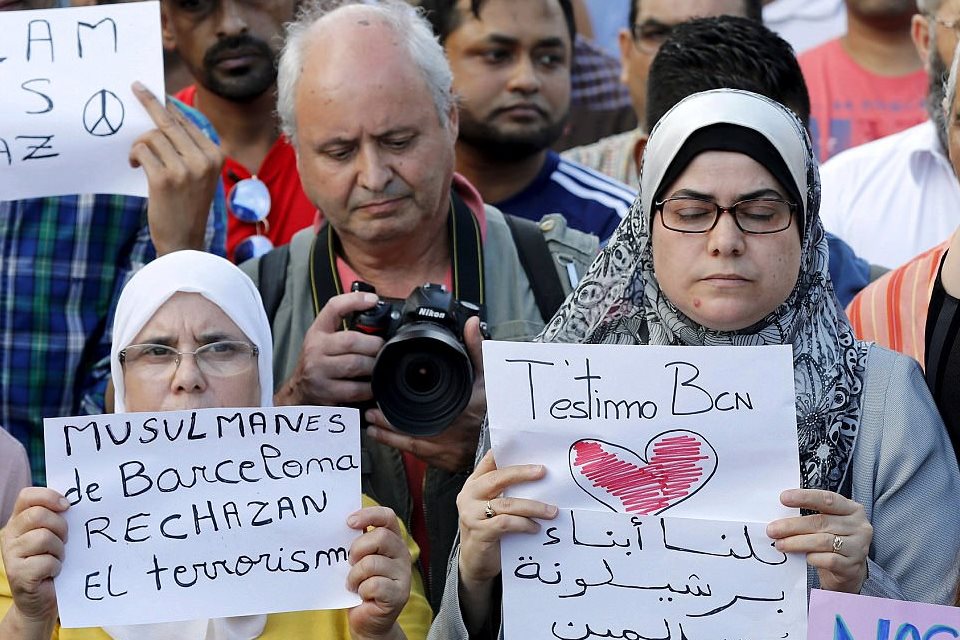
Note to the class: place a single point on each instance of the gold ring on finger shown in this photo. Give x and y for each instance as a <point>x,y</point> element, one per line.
<point>488,511</point>
<point>837,544</point>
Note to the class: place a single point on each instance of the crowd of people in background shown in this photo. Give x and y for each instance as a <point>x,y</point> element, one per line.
<point>525,154</point>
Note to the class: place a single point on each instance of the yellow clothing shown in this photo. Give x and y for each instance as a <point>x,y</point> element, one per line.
<point>327,624</point>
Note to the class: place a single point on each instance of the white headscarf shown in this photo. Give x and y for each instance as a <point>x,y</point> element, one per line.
<point>619,300</point>
<point>223,284</point>
<point>216,279</point>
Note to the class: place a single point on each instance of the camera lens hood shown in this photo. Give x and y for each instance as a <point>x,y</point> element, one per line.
<point>422,379</point>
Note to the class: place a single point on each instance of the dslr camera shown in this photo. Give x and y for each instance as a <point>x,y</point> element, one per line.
<point>422,378</point>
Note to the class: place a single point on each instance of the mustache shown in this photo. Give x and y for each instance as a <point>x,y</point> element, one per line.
<point>243,44</point>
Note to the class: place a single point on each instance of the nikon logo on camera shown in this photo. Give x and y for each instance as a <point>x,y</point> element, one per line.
<point>431,313</point>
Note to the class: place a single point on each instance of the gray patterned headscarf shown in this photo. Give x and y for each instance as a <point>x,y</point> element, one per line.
<point>619,300</point>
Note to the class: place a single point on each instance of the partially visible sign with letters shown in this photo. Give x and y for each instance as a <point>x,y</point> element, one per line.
<point>69,114</point>
<point>204,514</point>
<point>845,616</point>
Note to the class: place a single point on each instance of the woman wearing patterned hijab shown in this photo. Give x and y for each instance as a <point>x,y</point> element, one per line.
<point>875,460</point>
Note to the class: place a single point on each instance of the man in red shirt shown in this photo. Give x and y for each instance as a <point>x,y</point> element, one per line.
<point>230,48</point>
<point>868,83</point>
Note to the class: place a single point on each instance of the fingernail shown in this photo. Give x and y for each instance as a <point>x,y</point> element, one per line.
<point>63,502</point>
<point>370,298</point>
<point>139,86</point>
<point>373,432</point>
<point>552,510</point>
<point>352,521</point>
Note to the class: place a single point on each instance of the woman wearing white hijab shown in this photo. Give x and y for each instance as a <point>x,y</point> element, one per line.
<point>875,460</point>
<point>190,332</point>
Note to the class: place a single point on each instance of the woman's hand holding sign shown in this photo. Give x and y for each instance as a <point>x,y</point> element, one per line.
<point>32,546</point>
<point>380,574</point>
<point>484,518</point>
<point>836,539</point>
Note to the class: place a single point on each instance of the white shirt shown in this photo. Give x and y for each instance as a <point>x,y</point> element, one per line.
<point>892,198</point>
<point>806,23</point>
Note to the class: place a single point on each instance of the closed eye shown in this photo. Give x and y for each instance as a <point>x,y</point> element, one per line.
<point>338,153</point>
<point>398,144</point>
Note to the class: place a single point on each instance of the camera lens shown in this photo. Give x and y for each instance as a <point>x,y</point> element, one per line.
<point>420,373</point>
<point>422,379</point>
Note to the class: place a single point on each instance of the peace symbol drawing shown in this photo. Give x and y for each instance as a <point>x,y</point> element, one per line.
<point>103,114</point>
<point>676,465</point>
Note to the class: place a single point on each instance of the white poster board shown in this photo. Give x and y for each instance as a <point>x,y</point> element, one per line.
<point>204,514</point>
<point>704,437</point>
<point>716,426</point>
<point>69,115</point>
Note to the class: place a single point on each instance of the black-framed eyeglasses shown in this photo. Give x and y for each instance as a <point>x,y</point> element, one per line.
<point>649,36</point>
<point>222,358</point>
<point>754,216</point>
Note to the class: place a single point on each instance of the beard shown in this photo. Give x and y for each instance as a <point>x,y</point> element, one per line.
<point>500,146</point>
<point>936,91</point>
<point>245,83</point>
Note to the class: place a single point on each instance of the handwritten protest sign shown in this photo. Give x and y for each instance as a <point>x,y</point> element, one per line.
<point>704,437</point>
<point>208,513</point>
<point>845,616</point>
<point>613,575</point>
<point>69,115</point>
<point>715,426</point>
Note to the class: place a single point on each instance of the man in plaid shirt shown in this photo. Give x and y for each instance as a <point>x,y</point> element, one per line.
<point>64,260</point>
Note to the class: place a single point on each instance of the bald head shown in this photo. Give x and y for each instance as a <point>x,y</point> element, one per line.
<point>335,47</point>
<point>354,42</point>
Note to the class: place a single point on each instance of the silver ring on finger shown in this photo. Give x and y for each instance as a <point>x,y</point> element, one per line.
<point>837,544</point>
<point>488,511</point>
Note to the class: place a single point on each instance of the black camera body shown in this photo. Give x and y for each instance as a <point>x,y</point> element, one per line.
<point>422,378</point>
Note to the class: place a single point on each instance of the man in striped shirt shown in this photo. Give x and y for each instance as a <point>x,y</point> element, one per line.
<point>511,68</point>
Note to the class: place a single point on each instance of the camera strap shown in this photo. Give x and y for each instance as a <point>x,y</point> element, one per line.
<point>466,259</point>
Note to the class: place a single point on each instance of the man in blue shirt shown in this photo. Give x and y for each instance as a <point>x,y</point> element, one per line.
<point>511,68</point>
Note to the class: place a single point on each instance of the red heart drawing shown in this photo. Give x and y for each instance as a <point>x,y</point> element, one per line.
<point>678,464</point>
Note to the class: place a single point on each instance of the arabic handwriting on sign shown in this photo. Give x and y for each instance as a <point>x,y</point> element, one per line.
<point>626,543</point>
<point>690,589</point>
<point>625,634</point>
<point>729,554</point>
<point>739,598</point>
<point>551,533</point>
<point>103,114</point>
<point>584,585</point>
<point>699,591</point>
<point>528,563</point>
